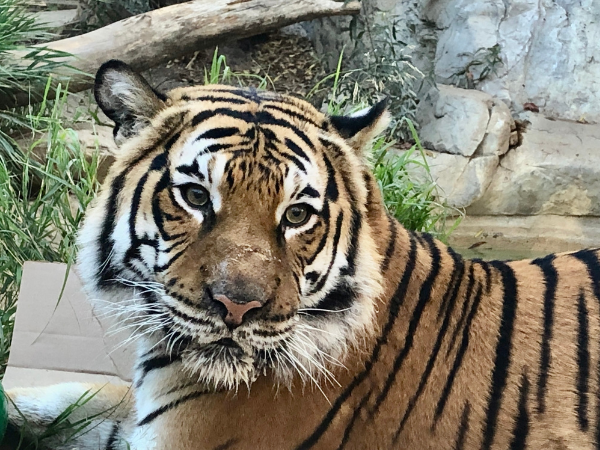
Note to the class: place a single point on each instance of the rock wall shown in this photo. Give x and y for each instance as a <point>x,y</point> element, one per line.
<point>549,49</point>
<point>524,140</point>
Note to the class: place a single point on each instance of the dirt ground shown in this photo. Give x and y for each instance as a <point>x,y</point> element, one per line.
<point>288,61</point>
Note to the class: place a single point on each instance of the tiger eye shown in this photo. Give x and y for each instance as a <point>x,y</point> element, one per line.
<point>297,215</point>
<point>196,195</point>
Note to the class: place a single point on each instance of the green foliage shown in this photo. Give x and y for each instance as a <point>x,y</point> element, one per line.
<point>482,63</point>
<point>382,66</point>
<point>413,200</point>
<point>18,30</point>
<point>42,204</point>
<point>68,425</point>
<point>219,72</point>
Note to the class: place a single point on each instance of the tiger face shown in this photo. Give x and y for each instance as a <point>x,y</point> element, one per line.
<point>232,230</point>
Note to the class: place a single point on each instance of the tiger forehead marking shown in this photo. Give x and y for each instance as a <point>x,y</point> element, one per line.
<point>248,150</point>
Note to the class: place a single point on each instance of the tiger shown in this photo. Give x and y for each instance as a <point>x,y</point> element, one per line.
<point>277,304</point>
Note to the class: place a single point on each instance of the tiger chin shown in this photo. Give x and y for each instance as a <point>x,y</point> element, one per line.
<point>275,304</point>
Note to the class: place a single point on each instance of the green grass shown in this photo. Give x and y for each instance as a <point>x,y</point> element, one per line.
<point>41,205</point>
<point>413,200</point>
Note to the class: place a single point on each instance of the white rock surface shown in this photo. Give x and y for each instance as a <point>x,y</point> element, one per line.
<point>549,48</point>
<point>460,180</point>
<point>463,122</point>
<point>453,120</point>
<point>555,171</point>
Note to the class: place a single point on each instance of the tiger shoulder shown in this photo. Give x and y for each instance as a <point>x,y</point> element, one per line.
<point>275,303</point>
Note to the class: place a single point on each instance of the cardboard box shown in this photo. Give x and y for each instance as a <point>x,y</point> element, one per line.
<point>61,338</point>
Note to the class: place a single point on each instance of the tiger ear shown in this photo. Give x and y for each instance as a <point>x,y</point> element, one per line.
<point>126,98</point>
<point>360,128</point>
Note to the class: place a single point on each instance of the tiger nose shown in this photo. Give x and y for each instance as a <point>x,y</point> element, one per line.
<point>235,311</point>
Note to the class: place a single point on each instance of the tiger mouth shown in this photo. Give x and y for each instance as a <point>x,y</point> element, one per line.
<point>227,342</point>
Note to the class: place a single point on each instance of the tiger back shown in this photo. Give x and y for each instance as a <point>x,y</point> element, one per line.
<point>275,303</point>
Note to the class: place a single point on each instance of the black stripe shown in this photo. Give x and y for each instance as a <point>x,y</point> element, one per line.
<point>155,363</point>
<point>271,147</point>
<point>325,216</point>
<point>503,351</point>
<point>424,297</point>
<point>266,118</point>
<point>308,191</point>
<point>133,252</point>
<point>389,251</point>
<point>396,303</point>
<point>172,140</point>
<point>488,273</point>
<point>355,416</point>
<point>590,259</point>
<point>106,272</point>
<point>340,298</point>
<point>336,240</point>
<point>464,345</point>
<point>168,407</point>
<point>296,149</point>
<point>550,281</point>
<point>463,428</point>
<point>171,260</point>
<point>207,98</point>
<point>458,273</point>
<point>205,115</point>
<point>583,363</point>
<point>191,169</point>
<point>463,312</point>
<point>294,114</point>
<point>111,443</point>
<point>159,162</point>
<point>227,445</point>
<point>430,363</point>
<point>183,316</point>
<point>521,430</point>
<point>355,226</point>
<point>331,191</point>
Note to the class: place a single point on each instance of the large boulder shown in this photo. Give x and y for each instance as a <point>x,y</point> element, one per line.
<point>464,122</point>
<point>556,170</point>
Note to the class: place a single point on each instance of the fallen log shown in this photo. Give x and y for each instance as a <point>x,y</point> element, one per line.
<point>155,37</point>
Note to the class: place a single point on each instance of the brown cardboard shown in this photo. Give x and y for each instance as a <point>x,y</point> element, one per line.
<point>61,339</point>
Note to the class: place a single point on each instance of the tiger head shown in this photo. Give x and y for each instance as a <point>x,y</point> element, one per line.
<point>235,228</point>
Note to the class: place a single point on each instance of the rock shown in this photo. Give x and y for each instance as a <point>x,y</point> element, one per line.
<point>472,183</point>
<point>546,50</point>
<point>556,170</point>
<point>464,122</point>
<point>453,120</point>
<point>497,134</point>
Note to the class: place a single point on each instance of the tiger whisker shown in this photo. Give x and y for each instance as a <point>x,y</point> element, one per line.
<point>299,364</point>
<point>303,310</point>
